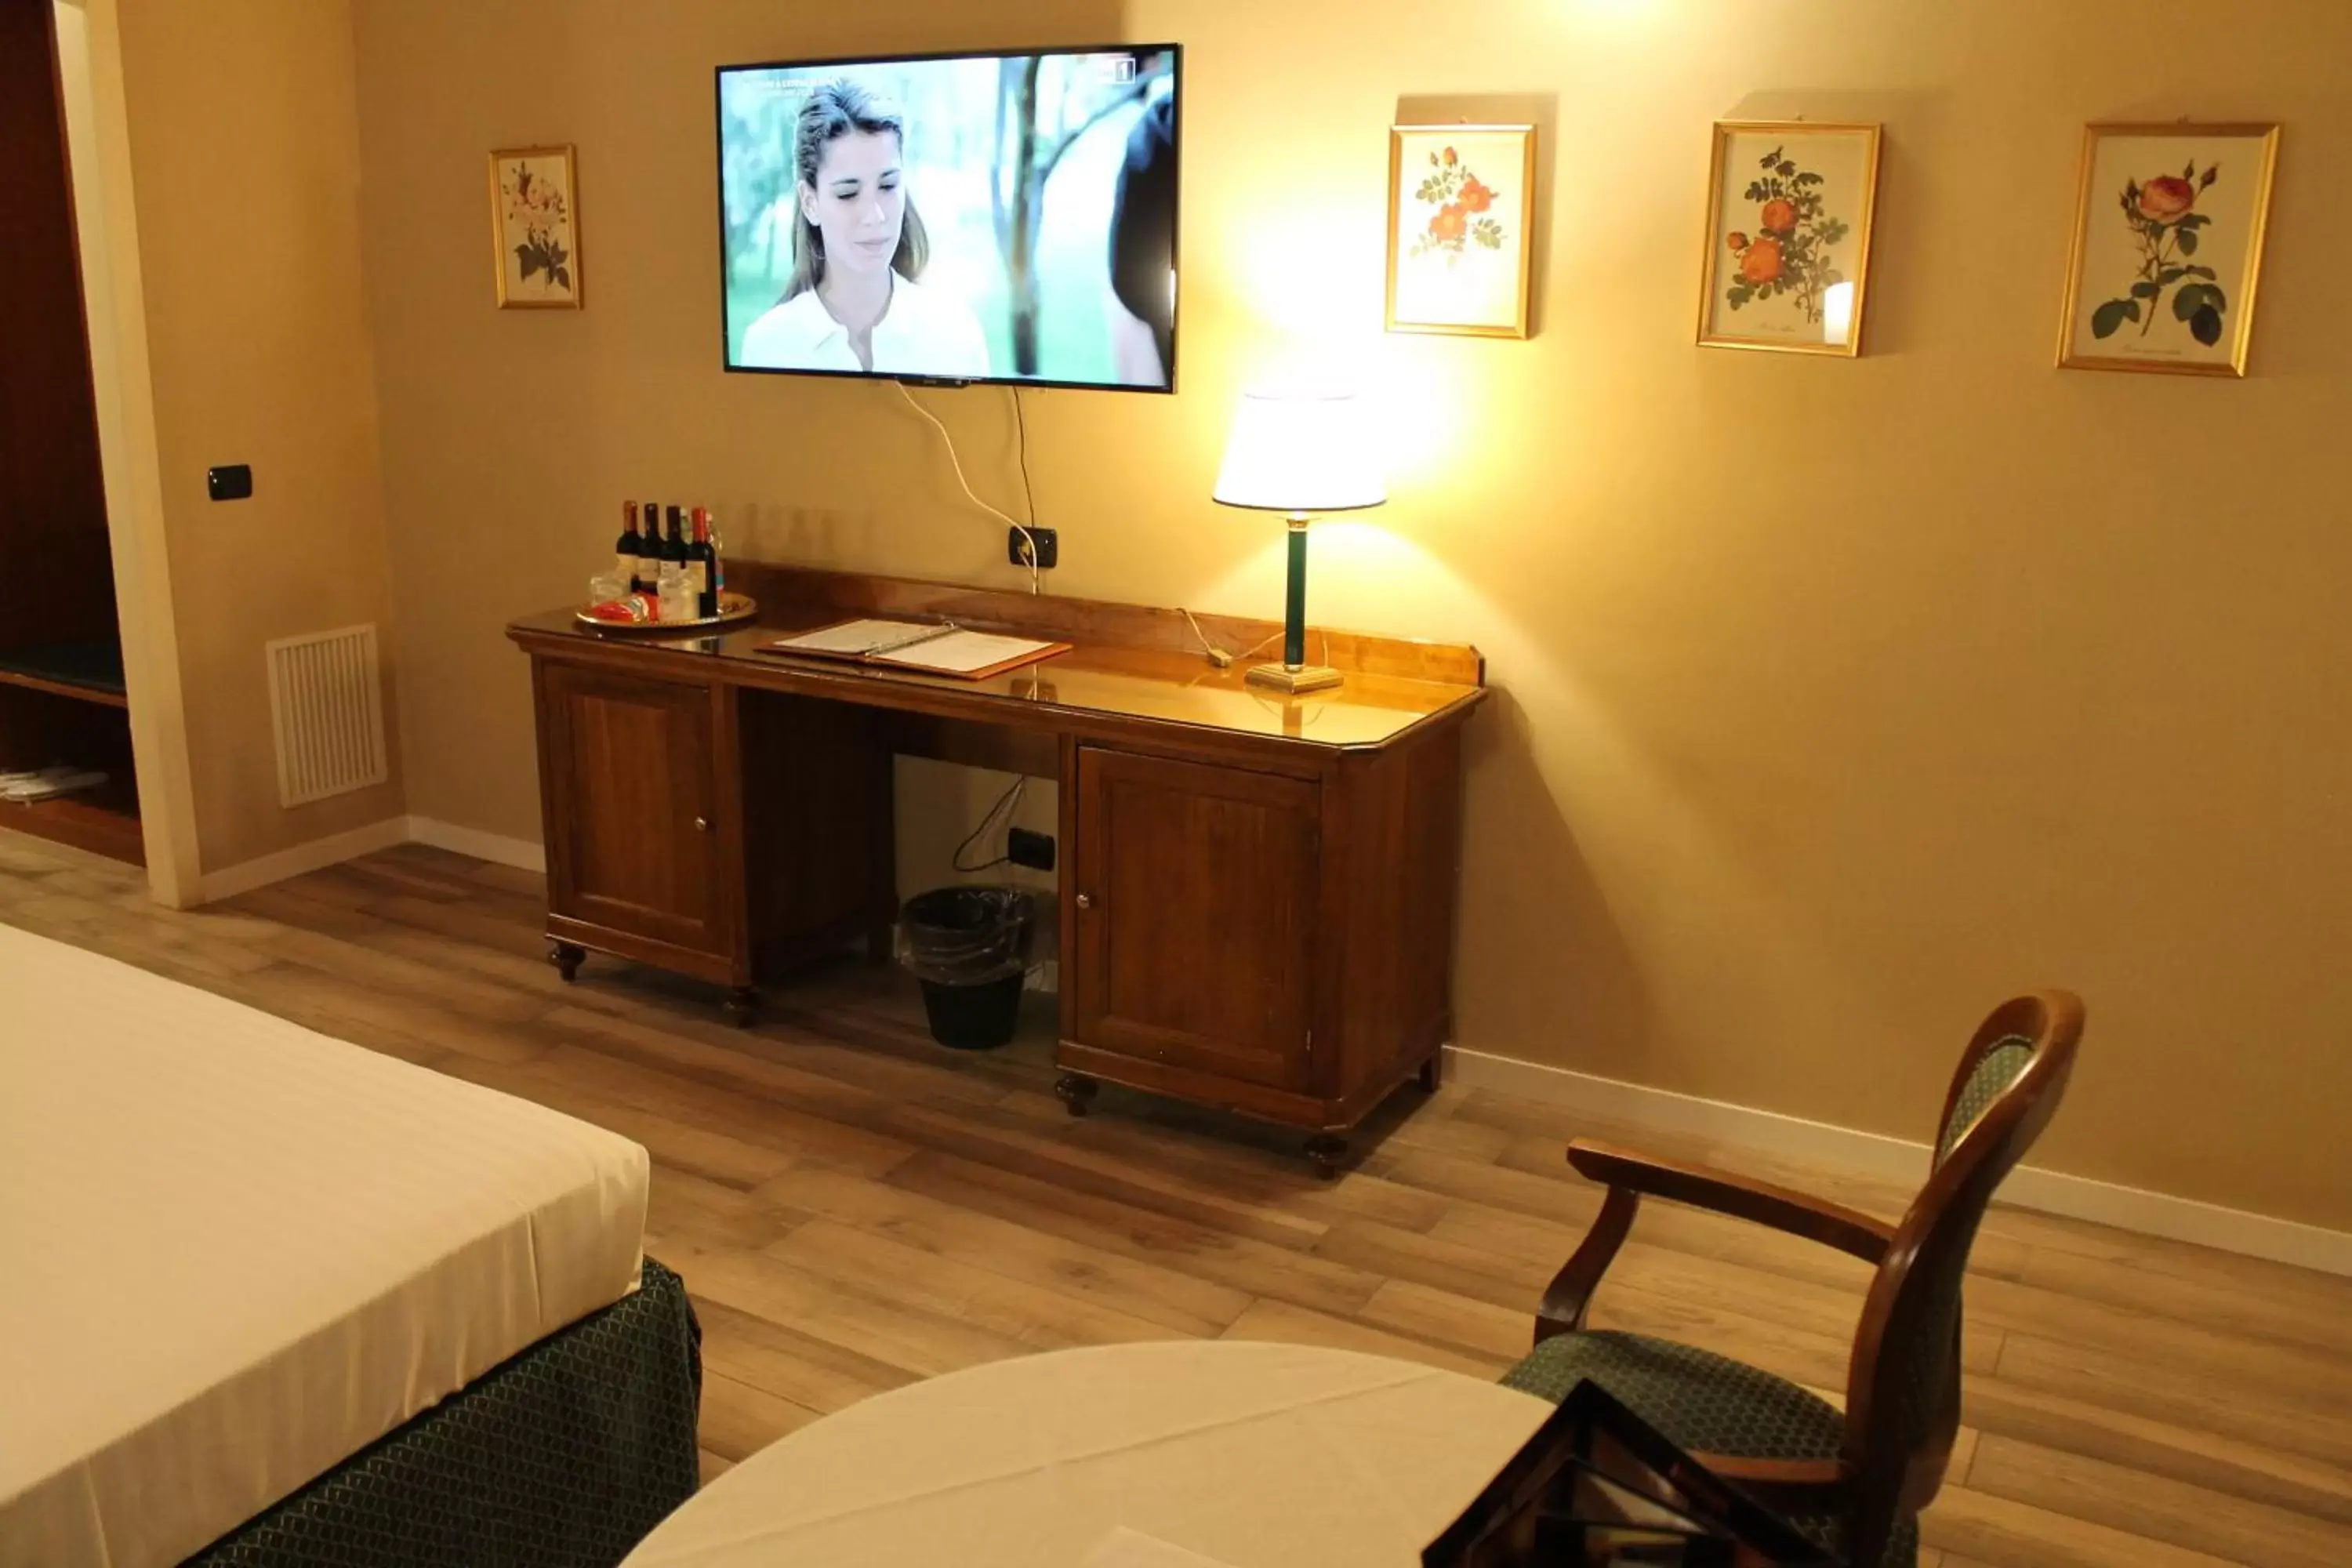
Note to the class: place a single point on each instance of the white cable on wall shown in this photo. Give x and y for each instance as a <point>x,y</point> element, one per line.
<point>1027,539</point>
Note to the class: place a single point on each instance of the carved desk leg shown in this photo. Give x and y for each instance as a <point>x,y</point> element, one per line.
<point>1077,1092</point>
<point>1329,1152</point>
<point>743,1006</point>
<point>566,957</point>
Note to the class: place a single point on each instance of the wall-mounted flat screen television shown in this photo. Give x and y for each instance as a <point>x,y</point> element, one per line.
<point>1002,218</point>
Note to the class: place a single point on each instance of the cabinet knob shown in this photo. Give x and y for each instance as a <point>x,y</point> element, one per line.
<point>702,825</point>
<point>1085,901</point>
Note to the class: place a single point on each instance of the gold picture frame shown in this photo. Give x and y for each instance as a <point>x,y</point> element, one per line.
<point>1463,267</point>
<point>2187,306</point>
<point>1794,241</point>
<point>535,227</point>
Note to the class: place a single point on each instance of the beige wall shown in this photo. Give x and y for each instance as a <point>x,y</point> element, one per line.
<point>1837,700</point>
<point>243,157</point>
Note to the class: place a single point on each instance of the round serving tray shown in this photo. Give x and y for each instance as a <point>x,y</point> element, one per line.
<point>734,609</point>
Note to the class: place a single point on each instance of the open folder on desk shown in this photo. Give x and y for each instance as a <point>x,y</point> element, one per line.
<point>932,649</point>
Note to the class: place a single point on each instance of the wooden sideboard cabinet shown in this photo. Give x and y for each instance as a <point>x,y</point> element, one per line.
<point>1257,892</point>
<point>638,844</point>
<point>1194,895</point>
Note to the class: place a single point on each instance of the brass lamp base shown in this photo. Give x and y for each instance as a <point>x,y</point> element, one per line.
<point>1293,678</point>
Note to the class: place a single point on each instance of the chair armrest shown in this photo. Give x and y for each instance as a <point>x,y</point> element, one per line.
<point>1569,1295</point>
<point>1704,1186</point>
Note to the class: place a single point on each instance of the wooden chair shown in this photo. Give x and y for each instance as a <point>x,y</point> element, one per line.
<point>1854,1482</point>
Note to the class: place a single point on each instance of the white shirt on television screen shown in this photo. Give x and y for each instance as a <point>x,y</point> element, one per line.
<point>926,331</point>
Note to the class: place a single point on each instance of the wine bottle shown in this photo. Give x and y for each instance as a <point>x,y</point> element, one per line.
<point>702,566</point>
<point>674,567</point>
<point>649,551</point>
<point>626,552</point>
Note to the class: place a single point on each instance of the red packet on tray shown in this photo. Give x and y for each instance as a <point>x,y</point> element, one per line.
<point>628,610</point>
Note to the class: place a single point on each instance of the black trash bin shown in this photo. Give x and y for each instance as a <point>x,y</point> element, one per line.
<point>969,947</point>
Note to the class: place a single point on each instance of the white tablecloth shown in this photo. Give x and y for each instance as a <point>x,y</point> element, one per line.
<point>1250,1455</point>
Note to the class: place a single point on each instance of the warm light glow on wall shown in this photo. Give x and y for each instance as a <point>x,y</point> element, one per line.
<point>1310,318</point>
<point>1425,394</point>
<point>1623,10</point>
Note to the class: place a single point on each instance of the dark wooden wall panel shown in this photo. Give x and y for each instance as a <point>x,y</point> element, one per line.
<point>52,496</point>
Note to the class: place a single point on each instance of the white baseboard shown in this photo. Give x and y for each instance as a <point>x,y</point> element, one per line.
<point>320,852</point>
<point>1896,1159</point>
<point>497,848</point>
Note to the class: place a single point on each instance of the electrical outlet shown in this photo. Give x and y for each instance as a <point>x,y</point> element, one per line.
<point>1049,547</point>
<point>1034,851</point>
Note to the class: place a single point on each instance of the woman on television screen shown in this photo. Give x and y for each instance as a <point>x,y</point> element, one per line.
<point>854,302</point>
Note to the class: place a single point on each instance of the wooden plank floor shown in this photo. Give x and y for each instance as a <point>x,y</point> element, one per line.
<point>854,1208</point>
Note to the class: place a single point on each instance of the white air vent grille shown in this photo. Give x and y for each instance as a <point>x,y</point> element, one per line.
<point>328,704</point>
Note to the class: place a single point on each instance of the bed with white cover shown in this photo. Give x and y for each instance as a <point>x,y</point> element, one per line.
<point>238,1253</point>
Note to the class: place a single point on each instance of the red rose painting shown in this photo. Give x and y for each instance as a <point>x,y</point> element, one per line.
<point>2166,231</point>
<point>2169,221</point>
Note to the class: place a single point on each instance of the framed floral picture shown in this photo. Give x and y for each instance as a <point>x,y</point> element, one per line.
<point>1459,230</point>
<point>2167,245</point>
<point>535,229</point>
<point>1788,237</point>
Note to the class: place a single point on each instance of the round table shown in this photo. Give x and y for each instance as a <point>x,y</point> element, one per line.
<point>1251,1456</point>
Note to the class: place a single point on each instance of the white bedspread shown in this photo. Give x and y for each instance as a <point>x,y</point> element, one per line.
<point>234,1252</point>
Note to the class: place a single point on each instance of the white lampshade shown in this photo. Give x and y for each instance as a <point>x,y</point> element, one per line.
<point>1300,452</point>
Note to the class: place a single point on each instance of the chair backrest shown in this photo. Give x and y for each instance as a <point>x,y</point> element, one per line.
<point>1902,1388</point>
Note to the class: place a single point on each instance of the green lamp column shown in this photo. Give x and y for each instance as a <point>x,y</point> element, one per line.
<point>1296,454</point>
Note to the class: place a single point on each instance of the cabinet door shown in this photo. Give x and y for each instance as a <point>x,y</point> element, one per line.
<point>1195,894</point>
<point>629,769</point>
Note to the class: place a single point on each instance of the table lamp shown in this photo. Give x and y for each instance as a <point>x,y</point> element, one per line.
<point>1295,453</point>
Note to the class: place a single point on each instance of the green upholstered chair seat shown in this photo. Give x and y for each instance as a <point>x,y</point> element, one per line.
<point>1704,1402</point>
<point>1695,1400</point>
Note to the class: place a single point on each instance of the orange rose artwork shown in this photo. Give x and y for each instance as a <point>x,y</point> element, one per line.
<point>1789,255</point>
<point>1464,210</point>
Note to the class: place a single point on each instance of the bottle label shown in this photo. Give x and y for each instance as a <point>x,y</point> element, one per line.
<point>625,565</point>
<point>698,578</point>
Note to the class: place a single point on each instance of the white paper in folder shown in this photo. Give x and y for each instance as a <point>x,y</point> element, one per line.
<point>961,653</point>
<point>861,640</point>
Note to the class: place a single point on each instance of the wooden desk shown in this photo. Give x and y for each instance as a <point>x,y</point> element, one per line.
<point>1257,892</point>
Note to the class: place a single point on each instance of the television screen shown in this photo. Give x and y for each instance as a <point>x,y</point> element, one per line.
<point>980,218</point>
